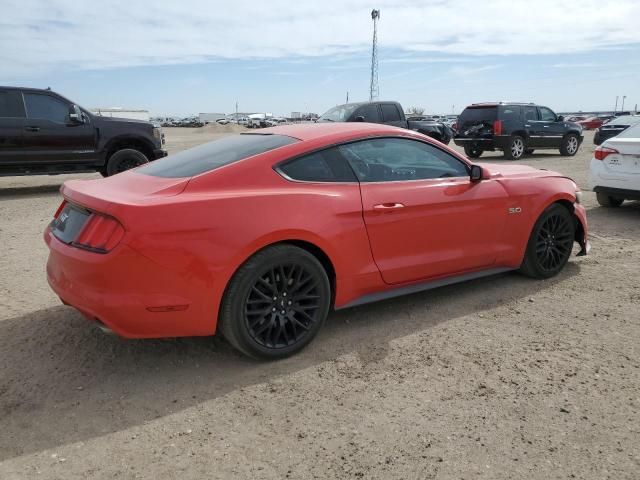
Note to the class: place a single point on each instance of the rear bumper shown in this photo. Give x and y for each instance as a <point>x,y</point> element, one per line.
<point>498,142</point>
<point>132,295</point>
<point>619,192</point>
<point>606,180</point>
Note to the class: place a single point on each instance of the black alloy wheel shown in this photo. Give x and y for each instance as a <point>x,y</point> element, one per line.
<point>473,151</point>
<point>276,302</point>
<point>124,160</point>
<point>550,244</point>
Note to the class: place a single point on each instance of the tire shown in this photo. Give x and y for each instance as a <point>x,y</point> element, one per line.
<point>515,149</point>
<point>249,312</point>
<point>550,243</point>
<point>473,151</point>
<point>608,201</point>
<point>569,146</point>
<point>125,159</point>
<point>529,151</point>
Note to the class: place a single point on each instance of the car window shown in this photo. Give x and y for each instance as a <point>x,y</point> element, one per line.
<point>397,159</point>
<point>530,113</point>
<point>510,112</point>
<point>212,155</point>
<point>369,112</point>
<point>46,107</point>
<point>11,104</point>
<point>390,112</point>
<point>324,166</point>
<point>546,115</point>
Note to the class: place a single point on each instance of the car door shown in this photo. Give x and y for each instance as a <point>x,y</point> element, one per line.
<point>532,125</point>
<point>424,216</point>
<point>49,136</point>
<point>12,123</point>
<point>392,116</point>
<point>551,130</point>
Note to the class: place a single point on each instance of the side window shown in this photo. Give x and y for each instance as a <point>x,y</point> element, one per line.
<point>323,166</point>
<point>546,115</point>
<point>11,104</point>
<point>398,159</point>
<point>369,112</point>
<point>510,113</point>
<point>46,107</point>
<point>390,112</point>
<point>530,114</point>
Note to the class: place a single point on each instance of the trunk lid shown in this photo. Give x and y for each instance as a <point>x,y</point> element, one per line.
<point>628,159</point>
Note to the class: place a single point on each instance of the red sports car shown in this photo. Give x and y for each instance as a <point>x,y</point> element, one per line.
<point>590,123</point>
<point>259,235</point>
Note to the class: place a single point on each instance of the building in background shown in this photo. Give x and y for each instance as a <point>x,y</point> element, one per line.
<point>122,113</point>
<point>211,117</point>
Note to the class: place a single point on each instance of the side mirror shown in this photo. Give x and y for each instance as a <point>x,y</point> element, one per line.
<point>477,173</point>
<point>75,115</point>
<point>359,118</point>
<point>560,118</point>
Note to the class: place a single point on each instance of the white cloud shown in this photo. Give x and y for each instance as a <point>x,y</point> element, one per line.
<point>37,36</point>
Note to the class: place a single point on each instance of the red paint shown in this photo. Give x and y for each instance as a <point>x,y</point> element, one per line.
<point>183,239</point>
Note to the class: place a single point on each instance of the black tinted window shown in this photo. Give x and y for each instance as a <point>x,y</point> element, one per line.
<point>369,112</point>
<point>530,113</point>
<point>11,104</point>
<point>396,159</point>
<point>214,154</point>
<point>324,166</point>
<point>390,112</point>
<point>478,115</point>
<point>547,115</point>
<point>46,107</point>
<point>510,112</point>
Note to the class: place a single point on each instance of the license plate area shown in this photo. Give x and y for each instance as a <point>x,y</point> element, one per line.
<point>69,223</point>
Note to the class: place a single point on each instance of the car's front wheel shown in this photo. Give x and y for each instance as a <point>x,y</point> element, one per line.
<point>125,159</point>
<point>473,151</point>
<point>608,201</point>
<point>569,146</point>
<point>550,243</point>
<point>515,149</point>
<point>275,303</point>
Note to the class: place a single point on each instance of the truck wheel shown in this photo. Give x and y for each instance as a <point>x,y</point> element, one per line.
<point>608,201</point>
<point>515,149</point>
<point>125,159</point>
<point>473,151</point>
<point>569,145</point>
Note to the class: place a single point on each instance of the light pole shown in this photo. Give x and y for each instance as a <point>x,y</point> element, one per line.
<point>623,97</point>
<point>616,107</point>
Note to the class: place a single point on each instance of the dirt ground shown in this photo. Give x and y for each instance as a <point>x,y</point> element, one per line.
<point>497,378</point>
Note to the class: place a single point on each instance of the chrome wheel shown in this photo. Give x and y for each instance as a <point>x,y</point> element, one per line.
<point>572,145</point>
<point>517,148</point>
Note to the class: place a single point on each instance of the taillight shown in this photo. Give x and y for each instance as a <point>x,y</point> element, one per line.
<point>497,127</point>
<point>601,153</point>
<point>100,234</point>
<point>57,214</point>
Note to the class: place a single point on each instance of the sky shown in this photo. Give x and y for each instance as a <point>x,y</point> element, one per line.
<point>183,58</point>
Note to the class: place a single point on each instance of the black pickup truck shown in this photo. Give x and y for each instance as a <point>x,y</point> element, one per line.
<point>42,132</point>
<point>389,113</point>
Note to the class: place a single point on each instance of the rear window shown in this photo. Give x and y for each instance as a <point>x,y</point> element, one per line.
<point>474,115</point>
<point>212,155</point>
<point>626,120</point>
<point>631,132</point>
<point>11,104</point>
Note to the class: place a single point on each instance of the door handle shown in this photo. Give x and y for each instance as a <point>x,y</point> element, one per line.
<point>546,126</point>
<point>527,125</point>
<point>32,129</point>
<point>388,206</point>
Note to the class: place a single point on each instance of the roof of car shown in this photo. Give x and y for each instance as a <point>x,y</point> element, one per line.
<point>495,104</point>
<point>314,131</point>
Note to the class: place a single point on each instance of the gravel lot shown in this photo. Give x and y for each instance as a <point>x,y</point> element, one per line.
<point>502,377</point>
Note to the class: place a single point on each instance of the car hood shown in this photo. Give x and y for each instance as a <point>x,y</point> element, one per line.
<point>501,170</point>
<point>131,121</point>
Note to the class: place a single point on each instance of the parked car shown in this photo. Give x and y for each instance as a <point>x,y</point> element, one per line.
<point>614,172</point>
<point>614,127</point>
<point>340,215</point>
<point>222,121</point>
<point>42,132</point>
<point>516,129</point>
<point>590,123</point>
<point>389,113</point>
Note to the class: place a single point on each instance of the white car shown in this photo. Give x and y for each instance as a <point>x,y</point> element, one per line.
<point>615,169</point>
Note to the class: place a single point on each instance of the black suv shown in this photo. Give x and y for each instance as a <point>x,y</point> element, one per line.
<point>516,129</point>
<point>41,132</point>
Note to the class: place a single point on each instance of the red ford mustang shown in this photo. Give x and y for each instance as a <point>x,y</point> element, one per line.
<point>259,235</point>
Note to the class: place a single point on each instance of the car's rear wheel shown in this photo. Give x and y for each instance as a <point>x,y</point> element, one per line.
<point>125,159</point>
<point>608,201</point>
<point>473,151</point>
<point>515,149</point>
<point>550,244</point>
<point>569,146</point>
<point>275,303</point>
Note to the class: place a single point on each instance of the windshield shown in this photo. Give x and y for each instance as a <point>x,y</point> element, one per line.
<point>338,114</point>
<point>214,154</point>
<point>625,120</point>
